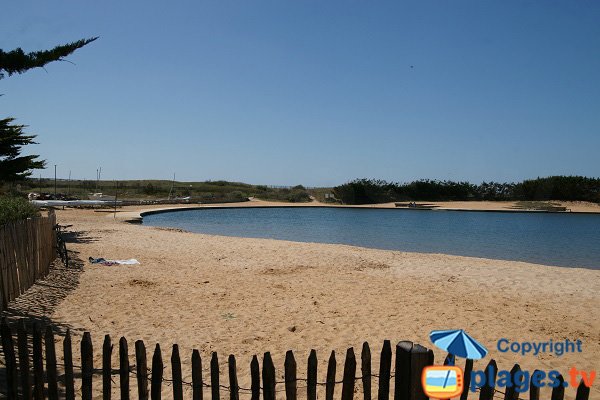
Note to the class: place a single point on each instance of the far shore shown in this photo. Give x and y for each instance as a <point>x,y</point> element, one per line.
<point>135,213</point>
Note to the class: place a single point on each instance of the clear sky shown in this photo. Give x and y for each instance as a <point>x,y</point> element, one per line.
<point>311,92</point>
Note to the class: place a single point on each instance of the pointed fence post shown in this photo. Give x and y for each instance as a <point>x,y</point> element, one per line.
<point>311,376</point>
<point>176,374</point>
<point>583,392</point>
<point>385,365</point>
<point>87,366</point>
<point>68,359</point>
<point>124,369</point>
<point>558,392</point>
<point>268,376</point>
<point>141,369</point>
<point>365,368</point>
<point>197,384</point>
<point>534,391</point>
<point>290,376</point>
<point>467,379</point>
<point>511,392</point>
<point>487,390</point>
<point>330,380</point>
<point>349,375</point>
<point>214,376</point>
<point>106,368</point>
<point>157,374</point>
<point>255,378</point>
<point>233,382</point>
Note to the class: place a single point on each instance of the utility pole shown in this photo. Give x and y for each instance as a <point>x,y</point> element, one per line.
<point>172,184</point>
<point>54,181</point>
<point>69,186</point>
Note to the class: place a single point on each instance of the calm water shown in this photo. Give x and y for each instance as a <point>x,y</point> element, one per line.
<point>569,240</point>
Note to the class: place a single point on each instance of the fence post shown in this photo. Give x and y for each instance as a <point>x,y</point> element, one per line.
<point>558,392</point>
<point>385,364</point>
<point>141,369</point>
<point>233,382</point>
<point>197,385</point>
<point>87,366</point>
<point>419,359</point>
<point>38,363</point>
<point>290,376</point>
<point>23,359</point>
<point>583,392</point>
<point>487,390</point>
<point>214,376</point>
<point>402,378</point>
<point>106,368</point>
<point>311,376</point>
<point>330,380</point>
<point>511,392</point>
<point>176,374</point>
<point>268,376</point>
<point>365,368</point>
<point>123,368</point>
<point>10,359</point>
<point>466,379</point>
<point>534,390</point>
<point>68,358</point>
<point>51,364</point>
<point>255,378</point>
<point>349,375</point>
<point>157,374</point>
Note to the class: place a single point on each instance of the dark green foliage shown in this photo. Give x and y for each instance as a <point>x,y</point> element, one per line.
<point>574,188</point>
<point>15,208</point>
<point>369,191</point>
<point>293,195</point>
<point>17,61</point>
<point>13,166</point>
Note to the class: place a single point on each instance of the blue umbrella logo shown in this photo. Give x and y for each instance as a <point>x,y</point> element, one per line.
<point>458,344</point>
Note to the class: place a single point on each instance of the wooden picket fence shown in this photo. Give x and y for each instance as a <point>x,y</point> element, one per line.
<point>27,248</point>
<point>37,375</point>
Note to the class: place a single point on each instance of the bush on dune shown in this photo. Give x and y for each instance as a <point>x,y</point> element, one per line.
<point>15,209</point>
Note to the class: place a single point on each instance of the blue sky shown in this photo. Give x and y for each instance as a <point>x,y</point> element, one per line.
<point>311,92</point>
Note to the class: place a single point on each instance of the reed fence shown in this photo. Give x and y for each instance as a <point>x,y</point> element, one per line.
<point>39,375</point>
<point>27,248</point>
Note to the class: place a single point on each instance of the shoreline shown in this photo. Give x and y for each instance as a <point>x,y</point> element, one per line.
<point>138,215</point>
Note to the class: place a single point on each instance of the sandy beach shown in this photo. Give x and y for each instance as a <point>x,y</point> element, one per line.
<point>247,296</point>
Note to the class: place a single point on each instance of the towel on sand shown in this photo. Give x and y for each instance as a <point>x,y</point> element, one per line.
<point>103,261</point>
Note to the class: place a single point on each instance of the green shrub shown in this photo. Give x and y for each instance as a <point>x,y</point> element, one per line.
<point>16,208</point>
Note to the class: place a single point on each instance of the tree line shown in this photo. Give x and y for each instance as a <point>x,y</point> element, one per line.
<point>567,188</point>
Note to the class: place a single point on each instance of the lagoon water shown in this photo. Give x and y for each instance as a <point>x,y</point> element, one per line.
<point>569,240</point>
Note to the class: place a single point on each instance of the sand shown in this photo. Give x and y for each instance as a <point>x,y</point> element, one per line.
<point>247,296</point>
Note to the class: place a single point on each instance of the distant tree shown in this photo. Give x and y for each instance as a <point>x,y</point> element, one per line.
<point>13,166</point>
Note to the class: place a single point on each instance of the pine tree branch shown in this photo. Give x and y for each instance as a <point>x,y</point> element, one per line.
<point>17,61</point>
